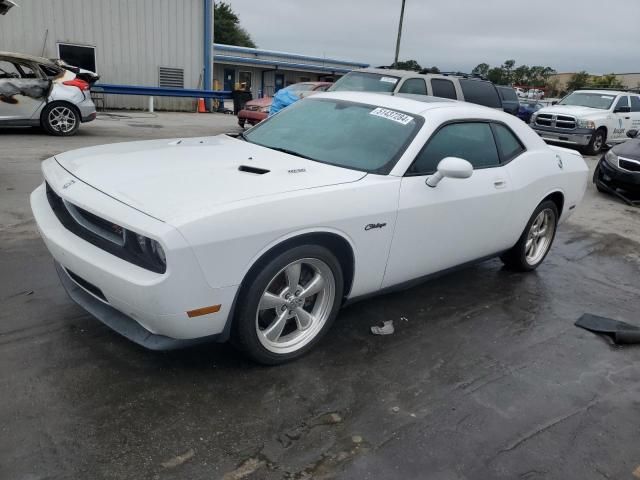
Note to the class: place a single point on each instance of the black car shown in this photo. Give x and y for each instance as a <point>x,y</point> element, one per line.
<point>618,171</point>
<point>509,98</point>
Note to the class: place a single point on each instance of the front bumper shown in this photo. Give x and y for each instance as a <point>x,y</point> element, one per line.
<point>611,177</point>
<point>158,303</point>
<point>580,137</point>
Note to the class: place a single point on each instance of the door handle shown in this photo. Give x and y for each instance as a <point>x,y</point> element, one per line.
<point>627,118</point>
<point>499,183</point>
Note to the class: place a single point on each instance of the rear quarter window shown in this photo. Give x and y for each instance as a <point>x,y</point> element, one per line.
<point>480,92</point>
<point>508,94</point>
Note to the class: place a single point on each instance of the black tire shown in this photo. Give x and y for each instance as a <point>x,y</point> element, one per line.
<point>49,125</point>
<point>596,179</point>
<point>516,258</point>
<point>241,122</point>
<point>245,326</point>
<point>597,142</point>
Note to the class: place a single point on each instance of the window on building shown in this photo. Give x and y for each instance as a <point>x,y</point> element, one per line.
<point>304,79</point>
<point>169,77</point>
<point>416,86</point>
<point>245,77</point>
<point>78,55</point>
<point>443,88</point>
<point>470,141</point>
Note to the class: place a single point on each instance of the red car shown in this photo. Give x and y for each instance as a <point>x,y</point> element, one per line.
<point>255,111</point>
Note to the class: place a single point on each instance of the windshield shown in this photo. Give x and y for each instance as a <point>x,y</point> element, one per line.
<point>346,134</point>
<point>592,100</point>
<point>365,82</point>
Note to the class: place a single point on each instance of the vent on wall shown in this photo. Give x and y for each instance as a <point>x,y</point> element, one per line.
<point>171,77</point>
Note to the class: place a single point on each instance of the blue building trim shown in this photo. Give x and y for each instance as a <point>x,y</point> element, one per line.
<point>219,47</point>
<point>276,63</point>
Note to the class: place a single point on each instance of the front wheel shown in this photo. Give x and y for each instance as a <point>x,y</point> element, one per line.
<point>535,241</point>
<point>60,119</point>
<point>597,143</point>
<point>289,304</point>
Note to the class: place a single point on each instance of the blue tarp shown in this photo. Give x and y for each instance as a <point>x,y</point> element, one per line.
<point>283,98</point>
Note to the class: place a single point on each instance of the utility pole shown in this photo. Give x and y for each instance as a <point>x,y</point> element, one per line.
<point>395,63</point>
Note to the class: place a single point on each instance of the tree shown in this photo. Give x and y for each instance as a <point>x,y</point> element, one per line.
<point>507,67</point>
<point>496,75</point>
<point>408,65</point>
<point>521,75</point>
<point>433,69</point>
<point>606,81</point>
<point>481,69</point>
<point>227,27</point>
<point>578,80</point>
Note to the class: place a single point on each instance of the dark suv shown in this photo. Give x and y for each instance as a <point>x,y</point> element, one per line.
<point>455,86</point>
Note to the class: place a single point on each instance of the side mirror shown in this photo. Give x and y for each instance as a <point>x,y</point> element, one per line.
<point>632,133</point>
<point>622,110</point>
<point>450,167</point>
<point>555,102</point>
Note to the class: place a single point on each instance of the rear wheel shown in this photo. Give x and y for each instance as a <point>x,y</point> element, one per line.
<point>597,142</point>
<point>535,241</point>
<point>60,119</point>
<point>289,304</point>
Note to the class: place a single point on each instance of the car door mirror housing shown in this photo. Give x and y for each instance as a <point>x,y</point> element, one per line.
<point>622,110</point>
<point>632,133</point>
<point>450,167</point>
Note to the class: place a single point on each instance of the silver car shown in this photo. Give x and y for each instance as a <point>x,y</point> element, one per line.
<point>35,91</point>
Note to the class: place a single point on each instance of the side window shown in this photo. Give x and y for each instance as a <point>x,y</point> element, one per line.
<point>414,85</point>
<point>508,94</point>
<point>26,71</point>
<point>443,88</point>
<point>635,104</point>
<point>480,92</point>
<point>472,141</point>
<point>622,102</point>
<point>8,70</point>
<point>508,143</point>
<point>50,71</point>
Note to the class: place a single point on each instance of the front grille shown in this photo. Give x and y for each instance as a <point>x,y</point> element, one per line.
<point>90,287</point>
<point>630,165</point>
<point>101,233</point>
<point>563,122</point>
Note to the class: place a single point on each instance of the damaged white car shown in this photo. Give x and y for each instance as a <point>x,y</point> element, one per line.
<point>262,237</point>
<point>35,91</point>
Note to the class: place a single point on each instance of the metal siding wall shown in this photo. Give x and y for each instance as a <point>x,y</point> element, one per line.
<point>132,39</point>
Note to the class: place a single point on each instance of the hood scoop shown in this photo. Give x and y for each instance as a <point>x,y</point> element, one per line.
<point>253,170</point>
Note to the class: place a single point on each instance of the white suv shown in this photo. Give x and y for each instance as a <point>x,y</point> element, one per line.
<point>589,119</point>
<point>466,88</point>
<point>35,91</point>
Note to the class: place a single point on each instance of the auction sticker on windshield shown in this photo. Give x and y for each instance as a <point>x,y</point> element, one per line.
<point>391,115</point>
<point>389,79</point>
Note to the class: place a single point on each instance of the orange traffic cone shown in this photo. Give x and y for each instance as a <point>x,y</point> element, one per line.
<point>201,106</point>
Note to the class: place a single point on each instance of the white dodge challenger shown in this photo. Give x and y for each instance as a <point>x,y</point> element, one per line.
<point>262,237</point>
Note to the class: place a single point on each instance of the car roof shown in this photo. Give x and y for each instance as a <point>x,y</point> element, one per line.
<point>27,58</point>
<point>408,105</point>
<point>603,92</point>
<point>410,73</point>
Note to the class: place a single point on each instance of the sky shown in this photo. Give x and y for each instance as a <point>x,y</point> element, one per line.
<point>599,36</point>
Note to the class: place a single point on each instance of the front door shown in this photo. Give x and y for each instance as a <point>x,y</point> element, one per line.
<point>22,91</point>
<point>635,112</point>
<point>279,81</point>
<point>459,220</point>
<point>229,78</point>
<point>622,120</point>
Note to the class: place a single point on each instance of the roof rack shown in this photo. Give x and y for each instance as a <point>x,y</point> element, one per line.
<point>459,74</point>
<point>621,89</point>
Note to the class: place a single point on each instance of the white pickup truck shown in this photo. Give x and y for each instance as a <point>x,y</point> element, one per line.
<point>589,119</point>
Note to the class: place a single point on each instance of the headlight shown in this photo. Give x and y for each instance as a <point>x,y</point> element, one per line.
<point>586,124</point>
<point>147,250</point>
<point>264,109</point>
<point>612,159</point>
<point>533,117</point>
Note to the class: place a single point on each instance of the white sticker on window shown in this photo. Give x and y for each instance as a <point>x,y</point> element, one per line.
<point>389,79</point>
<point>391,115</point>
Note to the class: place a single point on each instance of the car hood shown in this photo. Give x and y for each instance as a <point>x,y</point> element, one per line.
<point>572,110</point>
<point>175,179</point>
<point>629,149</point>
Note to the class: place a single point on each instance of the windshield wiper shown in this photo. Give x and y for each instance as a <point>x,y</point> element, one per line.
<point>290,152</point>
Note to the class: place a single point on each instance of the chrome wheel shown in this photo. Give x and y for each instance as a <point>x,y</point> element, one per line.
<point>540,236</point>
<point>295,305</point>
<point>62,119</point>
